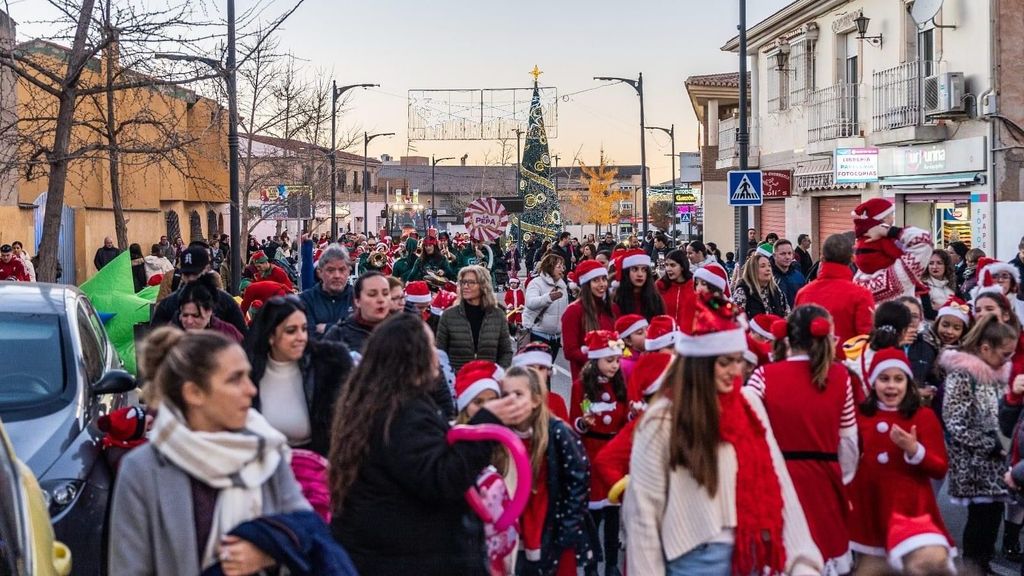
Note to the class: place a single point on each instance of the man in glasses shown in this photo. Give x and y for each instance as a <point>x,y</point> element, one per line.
<point>330,300</point>
<point>195,261</point>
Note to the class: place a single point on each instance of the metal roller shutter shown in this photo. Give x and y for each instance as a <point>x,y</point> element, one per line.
<point>834,215</point>
<point>772,218</point>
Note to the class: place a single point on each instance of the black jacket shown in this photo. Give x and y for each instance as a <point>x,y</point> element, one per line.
<point>104,256</point>
<point>406,513</point>
<point>566,254</point>
<point>225,308</point>
<point>350,331</point>
<point>805,260</point>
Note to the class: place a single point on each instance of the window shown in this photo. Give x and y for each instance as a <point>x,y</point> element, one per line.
<point>926,51</point>
<point>801,70</point>
<point>211,224</point>
<point>195,226</point>
<point>92,352</point>
<point>173,227</point>
<point>30,378</point>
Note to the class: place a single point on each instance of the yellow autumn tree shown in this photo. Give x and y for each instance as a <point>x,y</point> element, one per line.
<point>598,204</point>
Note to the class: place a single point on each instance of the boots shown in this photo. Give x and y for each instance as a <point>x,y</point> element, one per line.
<point>1011,541</point>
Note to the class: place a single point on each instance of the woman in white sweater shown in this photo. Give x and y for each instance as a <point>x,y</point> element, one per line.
<point>709,492</point>
<point>546,299</point>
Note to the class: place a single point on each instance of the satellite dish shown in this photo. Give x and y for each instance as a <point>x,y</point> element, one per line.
<point>925,10</point>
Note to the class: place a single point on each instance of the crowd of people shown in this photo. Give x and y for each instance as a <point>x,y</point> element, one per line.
<point>768,414</point>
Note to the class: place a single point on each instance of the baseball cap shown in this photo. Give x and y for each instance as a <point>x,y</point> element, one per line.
<point>194,260</point>
<point>6,248</point>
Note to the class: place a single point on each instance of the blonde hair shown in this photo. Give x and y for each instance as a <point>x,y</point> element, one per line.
<point>750,274</point>
<point>483,277</point>
<point>539,418</point>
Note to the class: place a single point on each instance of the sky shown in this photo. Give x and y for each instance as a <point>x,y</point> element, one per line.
<point>407,44</point>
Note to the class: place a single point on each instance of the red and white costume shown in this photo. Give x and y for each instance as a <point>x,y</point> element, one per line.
<point>817,433</point>
<point>515,300</point>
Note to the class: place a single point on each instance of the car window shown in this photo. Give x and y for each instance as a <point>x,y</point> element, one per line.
<point>97,330</point>
<point>92,354</point>
<point>31,359</point>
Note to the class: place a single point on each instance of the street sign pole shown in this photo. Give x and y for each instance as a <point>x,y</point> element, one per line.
<point>742,135</point>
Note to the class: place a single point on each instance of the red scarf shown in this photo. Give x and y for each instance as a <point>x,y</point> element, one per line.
<point>758,542</point>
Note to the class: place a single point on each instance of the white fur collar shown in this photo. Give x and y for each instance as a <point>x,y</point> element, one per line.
<point>953,360</point>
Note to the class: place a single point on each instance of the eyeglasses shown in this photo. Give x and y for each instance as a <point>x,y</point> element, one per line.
<point>468,282</point>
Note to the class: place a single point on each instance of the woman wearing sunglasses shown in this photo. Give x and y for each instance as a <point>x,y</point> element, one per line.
<point>297,379</point>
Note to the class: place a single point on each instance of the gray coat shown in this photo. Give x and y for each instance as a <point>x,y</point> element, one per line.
<point>152,527</point>
<point>455,337</point>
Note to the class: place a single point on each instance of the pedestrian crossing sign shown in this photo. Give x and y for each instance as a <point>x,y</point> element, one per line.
<point>745,188</point>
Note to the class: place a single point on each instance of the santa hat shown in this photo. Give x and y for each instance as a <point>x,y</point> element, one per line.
<point>513,282</point>
<point>889,358</point>
<point>762,325</point>
<point>430,241</point>
<point>987,268</point>
<point>534,354</point>
<point>417,292</point>
<point>662,333</point>
<point>715,330</point>
<point>442,301</point>
<point>588,270</point>
<point>870,213</point>
<point>124,425</point>
<point>757,353</point>
<point>258,257</point>
<point>908,534</point>
<point>715,275</point>
<point>155,280</point>
<point>630,323</point>
<point>572,280</point>
<point>602,344</point>
<point>628,259</point>
<point>956,308</point>
<point>766,249</point>
<point>473,378</point>
<point>648,375</point>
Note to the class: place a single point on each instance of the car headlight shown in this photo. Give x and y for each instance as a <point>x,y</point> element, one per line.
<point>59,494</point>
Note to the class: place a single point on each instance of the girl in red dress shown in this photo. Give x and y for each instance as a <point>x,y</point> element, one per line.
<point>598,411</point>
<point>902,451</point>
<point>809,401</point>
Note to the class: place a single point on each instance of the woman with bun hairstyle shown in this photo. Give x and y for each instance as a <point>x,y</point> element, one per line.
<point>676,289</point>
<point>809,402</point>
<point>212,463</point>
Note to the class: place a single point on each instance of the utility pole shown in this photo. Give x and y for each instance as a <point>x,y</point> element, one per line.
<point>743,134</point>
<point>638,85</point>
<point>366,180</point>
<point>336,93</point>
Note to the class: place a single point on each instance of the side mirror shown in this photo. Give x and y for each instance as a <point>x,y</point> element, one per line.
<point>114,382</point>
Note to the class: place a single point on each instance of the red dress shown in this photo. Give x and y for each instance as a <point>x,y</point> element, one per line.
<point>886,483</point>
<point>680,303</point>
<point>807,424</point>
<point>515,299</point>
<point>610,416</point>
<point>573,334</point>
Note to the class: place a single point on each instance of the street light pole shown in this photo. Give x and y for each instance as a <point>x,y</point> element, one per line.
<point>336,93</point>
<point>366,180</point>
<point>637,85</point>
<point>743,135</point>
<point>671,131</point>
<point>433,197</point>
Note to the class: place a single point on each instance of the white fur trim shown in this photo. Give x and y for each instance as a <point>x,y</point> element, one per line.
<point>900,550</point>
<point>750,357</point>
<point>474,390</point>
<point>419,299</point>
<point>638,325</point>
<point>656,385</point>
<point>532,358</point>
<point>436,311</point>
<point>596,272</point>
<point>1010,269</point>
<point>757,329</point>
<point>714,344</point>
<point>710,277</point>
<point>606,352</point>
<point>885,365</point>
<point>955,313</point>
<point>636,260</point>
<point>663,341</point>
<point>886,212</point>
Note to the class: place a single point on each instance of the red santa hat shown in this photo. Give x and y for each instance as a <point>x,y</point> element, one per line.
<point>889,358</point>
<point>474,378</point>
<point>989,267</point>
<point>571,279</point>
<point>534,354</point>
<point>588,270</point>
<point>715,275</point>
<point>907,534</point>
<point>870,213</point>
<point>630,323</point>
<point>648,375</point>
<point>662,333</point>
<point>956,308</point>
<point>125,427</point>
<point>757,353</point>
<point>762,325</point>
<point>602,344</point>
<point>715,330</point>
<point>442,301</point>
<point>628,259</point>
<point>417,292</point>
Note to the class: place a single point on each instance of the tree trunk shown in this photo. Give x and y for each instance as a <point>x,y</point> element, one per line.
<point>57,158</point>
<point>114,155</point>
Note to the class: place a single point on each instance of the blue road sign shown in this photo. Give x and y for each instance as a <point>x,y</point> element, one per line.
<point>745,188</point>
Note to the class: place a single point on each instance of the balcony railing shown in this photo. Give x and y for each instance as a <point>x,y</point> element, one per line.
<point>727,130</point>
<point>833,113</point>
<point>896,97</point>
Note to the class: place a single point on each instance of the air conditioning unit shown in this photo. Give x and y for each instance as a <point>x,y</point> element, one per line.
<point>944,94</point>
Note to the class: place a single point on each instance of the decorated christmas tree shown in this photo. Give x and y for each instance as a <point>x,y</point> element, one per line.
<point>542,216</point>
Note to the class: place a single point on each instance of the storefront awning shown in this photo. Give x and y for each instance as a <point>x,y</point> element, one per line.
<point>952,180</point>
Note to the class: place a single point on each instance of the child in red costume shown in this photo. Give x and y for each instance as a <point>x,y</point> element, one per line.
<point>632,328</point>
<point>515,300</point>
<point>124,428</point>
<point>598,411</point>
<point>902,451</point>
<point>556,532</point>
<point>890,260</point>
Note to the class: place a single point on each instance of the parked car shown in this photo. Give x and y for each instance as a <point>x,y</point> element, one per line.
<point>60,373</point>
<point>25,529</point>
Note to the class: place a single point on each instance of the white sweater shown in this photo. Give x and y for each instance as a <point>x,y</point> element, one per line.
<point>283,401</point>
<point>667,514</point>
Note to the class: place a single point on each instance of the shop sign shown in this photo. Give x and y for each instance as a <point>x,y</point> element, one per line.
<point>685,196</point>
<point>964,155</point>
<point>856,165</point>
<point>778,183</point>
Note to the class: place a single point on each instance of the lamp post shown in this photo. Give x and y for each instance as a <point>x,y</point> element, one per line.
<point>336,93</point>
<point>671,131</point>
<point>366,179</point>
<point>433,198</point>
<point>742,134</point>
<point>638,85</point>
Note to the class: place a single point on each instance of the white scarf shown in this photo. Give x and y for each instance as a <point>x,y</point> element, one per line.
<point>939,291</point>
<point>236,463</point>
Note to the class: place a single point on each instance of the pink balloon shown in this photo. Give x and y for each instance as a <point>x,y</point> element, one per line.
<point>524,474</point>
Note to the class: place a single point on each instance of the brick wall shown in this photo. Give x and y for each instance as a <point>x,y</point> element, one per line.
<point>708,157</point>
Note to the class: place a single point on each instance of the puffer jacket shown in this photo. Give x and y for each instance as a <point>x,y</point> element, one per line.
<point>350,331</point>
<point>970,410</point>
<point>541,313</point>
<point>455,337</point>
